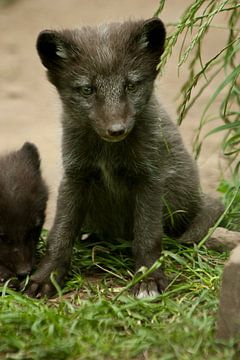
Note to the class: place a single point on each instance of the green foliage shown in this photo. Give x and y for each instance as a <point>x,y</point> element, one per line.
<point>223,68</point>
<point>229,192</point>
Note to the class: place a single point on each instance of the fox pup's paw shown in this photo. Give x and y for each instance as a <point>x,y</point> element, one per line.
<point>40,289</point>
<point>151,287</point>
<point>41,285</point>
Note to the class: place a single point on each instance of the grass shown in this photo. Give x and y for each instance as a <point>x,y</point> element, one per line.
<point>231,191</point>
<point>95,317</point>
<point>90,321</point>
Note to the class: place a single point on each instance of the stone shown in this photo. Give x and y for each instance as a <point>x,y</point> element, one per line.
<point>228,324</point>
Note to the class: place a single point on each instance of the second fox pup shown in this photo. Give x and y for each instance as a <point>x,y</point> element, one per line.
<point>23,200</point>
<point>126,171</point>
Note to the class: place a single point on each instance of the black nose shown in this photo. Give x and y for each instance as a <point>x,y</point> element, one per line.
<point>116,130</point>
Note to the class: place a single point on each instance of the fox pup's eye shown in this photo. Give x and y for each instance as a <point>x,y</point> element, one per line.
<point>86,90</point>
<point>131,87</point>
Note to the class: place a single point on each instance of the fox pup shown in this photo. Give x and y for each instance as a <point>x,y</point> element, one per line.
<point>126,171</point>
<point>23,198</point>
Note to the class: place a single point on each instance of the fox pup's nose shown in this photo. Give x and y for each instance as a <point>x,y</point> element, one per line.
<point>116,130</point>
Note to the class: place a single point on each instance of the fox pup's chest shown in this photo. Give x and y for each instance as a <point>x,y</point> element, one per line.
<point>107,174</point>
<point>114,178</point>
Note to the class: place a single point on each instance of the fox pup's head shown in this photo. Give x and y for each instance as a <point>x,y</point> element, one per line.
<point>104,74</point>
<point>23,198</point>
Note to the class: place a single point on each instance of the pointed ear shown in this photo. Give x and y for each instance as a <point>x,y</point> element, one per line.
<point>152,36</point>
<point>30,151</point>
<point>53,48</point>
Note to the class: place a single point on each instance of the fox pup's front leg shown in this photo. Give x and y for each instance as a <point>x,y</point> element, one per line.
<point>71,210</point>
<point>148,233</point>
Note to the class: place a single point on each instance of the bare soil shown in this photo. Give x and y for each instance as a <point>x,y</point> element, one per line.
<point>29,105</point>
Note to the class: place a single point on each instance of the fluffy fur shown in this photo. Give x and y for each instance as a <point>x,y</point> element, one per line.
<point>126,171</point>
<point>23,198</point>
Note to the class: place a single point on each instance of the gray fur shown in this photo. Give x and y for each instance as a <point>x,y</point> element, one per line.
<point>137,183</point>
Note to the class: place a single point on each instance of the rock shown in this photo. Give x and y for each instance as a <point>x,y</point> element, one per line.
<point>223,239</point>
<point>228,325</point>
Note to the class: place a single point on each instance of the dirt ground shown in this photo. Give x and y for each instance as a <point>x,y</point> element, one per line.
<point>29,105</point>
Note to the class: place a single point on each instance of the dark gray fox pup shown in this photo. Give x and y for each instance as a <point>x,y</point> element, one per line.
<point>23,199</point>
<point>127,173</point>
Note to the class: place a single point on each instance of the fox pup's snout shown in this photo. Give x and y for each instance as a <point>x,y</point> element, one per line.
<point>116,132</point>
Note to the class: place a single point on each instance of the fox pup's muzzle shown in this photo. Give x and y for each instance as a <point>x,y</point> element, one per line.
<point>116,132</point>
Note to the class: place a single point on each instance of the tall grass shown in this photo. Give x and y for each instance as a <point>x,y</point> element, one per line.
<point>222,69</point>
<point>223,66</point>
